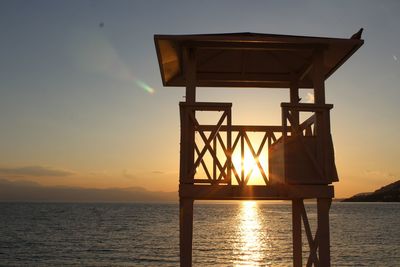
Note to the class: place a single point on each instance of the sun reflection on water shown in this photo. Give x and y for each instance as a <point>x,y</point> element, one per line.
<point>250,245</point>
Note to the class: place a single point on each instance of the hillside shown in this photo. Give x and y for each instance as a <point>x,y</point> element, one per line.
<point>388,193</point>
<point>27,191</point>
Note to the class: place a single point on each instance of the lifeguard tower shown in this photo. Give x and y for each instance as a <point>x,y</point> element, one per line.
<point>300,151</point>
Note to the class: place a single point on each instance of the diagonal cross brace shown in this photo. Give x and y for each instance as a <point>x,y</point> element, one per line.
<point>312,242</point>
<point>255,158</point>
<point>203,163</point>
<point>258,155</point>
<point>207,142</point>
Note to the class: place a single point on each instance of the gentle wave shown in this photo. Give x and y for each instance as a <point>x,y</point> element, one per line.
<point>233,234</point>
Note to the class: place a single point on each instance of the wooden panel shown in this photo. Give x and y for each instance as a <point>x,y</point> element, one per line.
<point>294,162</point>
<point>276,163</point>
<point>299,166</point>
<point>255,192</point>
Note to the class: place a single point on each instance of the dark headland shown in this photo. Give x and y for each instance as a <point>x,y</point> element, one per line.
<point>388,193</point>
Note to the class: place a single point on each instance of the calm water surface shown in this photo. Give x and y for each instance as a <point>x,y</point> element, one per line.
<point>235,234</point>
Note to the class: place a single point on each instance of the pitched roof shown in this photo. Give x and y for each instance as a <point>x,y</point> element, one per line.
<point>250,59</point>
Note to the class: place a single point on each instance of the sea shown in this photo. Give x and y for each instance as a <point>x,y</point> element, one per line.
<point>242,233</point>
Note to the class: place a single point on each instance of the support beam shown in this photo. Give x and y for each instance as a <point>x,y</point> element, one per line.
<point>319,98</point>
<point>323,206</point>
<point>318,76</point>
<point>249,45</point>
<point>255,192</point>
<point>296,232</point>
<point>185,231</point>
<point>189,60</point>
<point>294,99</point>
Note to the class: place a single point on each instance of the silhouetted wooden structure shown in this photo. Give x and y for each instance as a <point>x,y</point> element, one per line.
<point>300,153</point>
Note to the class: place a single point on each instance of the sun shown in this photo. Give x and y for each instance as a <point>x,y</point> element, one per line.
<point>249,165</point>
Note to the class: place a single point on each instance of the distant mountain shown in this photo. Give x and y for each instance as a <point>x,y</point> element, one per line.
<point>28,191</point>
<point>388,193</point>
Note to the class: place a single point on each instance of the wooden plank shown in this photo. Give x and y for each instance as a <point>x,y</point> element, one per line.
<point>296,232</point>
<point>312,241</point>
<point>323,206</point>
<point>227,155</point>
<point>311,156</point>
<point>233,149</point>
<point>307,106</point>
<point>203,164</point>
<point>255,192</point>
<point>241,77</point>
<point>183,164</point>
<point>185,231</point>
<point>318,76</point>
<point>241,45</point>
<point>246,83</point>
<point>207,106</point>
<point>246,128</point>
<point>214,168</point>
<point>207,181</point>
<point>180,81</point>
<point>305,70</point>
<point>189,67</point>
<point>284,123</point>
<point>294,99</point>
<point>242,179</point>
<point>307,123</point>
<point>228,151</point>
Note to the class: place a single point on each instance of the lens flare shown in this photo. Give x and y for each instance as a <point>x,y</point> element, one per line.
<point>145,86</point>
<point>95,53</point>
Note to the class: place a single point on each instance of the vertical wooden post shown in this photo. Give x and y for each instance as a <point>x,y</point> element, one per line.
<point>318,76</point>
<point>185,231</point>
<point>242,178</point>
<point>323,206</point>
<point>189,64</point>
<point>183,143</point>
<point>296,231</point>
<point>284,123</point>
<point>229,145</point>
<point>214,169</point>
<point>294,99</point>
<point>189,60</point>
<point>187,158</point>
<point>319,98</point>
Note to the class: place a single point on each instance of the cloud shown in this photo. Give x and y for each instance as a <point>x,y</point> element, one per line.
<point>158,172</point>
<point>378,175</point>
<point>34,171</point>
<point>310,98</point>
<point>128,175</point>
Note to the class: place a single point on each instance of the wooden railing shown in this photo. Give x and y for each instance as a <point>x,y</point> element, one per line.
<point>315,129</point>
<point>207,150</point>
<point>192,154</point>
<point>318,119</point>
<point>242,141</point>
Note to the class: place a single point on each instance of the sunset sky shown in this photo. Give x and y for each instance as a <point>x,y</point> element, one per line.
<point>82,103</point>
